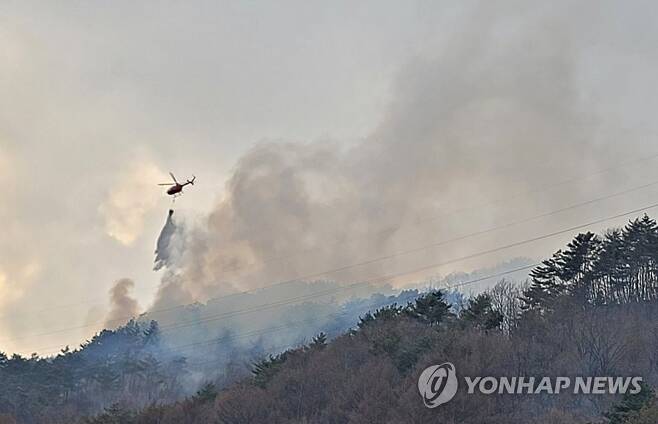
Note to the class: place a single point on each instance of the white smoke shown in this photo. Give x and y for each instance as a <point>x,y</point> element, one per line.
<point>489,113</point>
<point>130,200</point>
<point>123,306</point>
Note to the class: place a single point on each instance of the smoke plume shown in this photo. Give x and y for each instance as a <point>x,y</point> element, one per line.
<point>493,111</point>
<point>122,305</point>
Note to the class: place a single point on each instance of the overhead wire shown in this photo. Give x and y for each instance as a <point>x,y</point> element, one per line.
<point>440,215</point>
<point>271,305</point>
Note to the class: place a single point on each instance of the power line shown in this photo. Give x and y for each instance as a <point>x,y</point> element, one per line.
<point>284,302</point>
<point>428,267</point>
<point>244,335</point>
<point>336,315</point>
<point>253,333</point>
<point>266,330</point>
<point>481,232</point>
<point>413,250</point>
<point>532,190</point>
<point>447,213</point>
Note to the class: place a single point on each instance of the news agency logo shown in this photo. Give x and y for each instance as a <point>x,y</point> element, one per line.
<point>438,384</point>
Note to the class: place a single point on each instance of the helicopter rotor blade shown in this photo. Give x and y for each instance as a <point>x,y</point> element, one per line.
<point>174,178</point>
<point>169,184</point>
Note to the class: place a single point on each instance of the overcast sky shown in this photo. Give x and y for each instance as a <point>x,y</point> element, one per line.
<point>99,100</point>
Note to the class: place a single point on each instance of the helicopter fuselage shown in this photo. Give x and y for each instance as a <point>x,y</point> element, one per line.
<point>175,189</point>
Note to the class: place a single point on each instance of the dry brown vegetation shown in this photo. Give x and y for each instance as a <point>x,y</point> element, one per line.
<point>590,310</point>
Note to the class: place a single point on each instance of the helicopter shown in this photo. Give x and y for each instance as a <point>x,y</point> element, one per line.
<point>176,187</point>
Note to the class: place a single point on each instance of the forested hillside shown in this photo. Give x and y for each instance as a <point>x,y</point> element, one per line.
<point>144,361</point>
<point>589,310</point>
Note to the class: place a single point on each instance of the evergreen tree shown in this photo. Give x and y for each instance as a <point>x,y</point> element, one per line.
<point>545,285</point>
<point>430,308</point>
<point>115,414</point>
<point>264,370</point>
<point>576,263</point>
<point>480,313</point>
<point>641,248</point>
<point>384,313</point>
<point>630,404</point>
<point>610,272</point>
<point>207,393</point>
<point>152,334</point>
<point>319,341</point>
<point>568,271</point>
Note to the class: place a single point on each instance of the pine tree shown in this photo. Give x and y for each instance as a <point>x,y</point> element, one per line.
<point>576,263</point>
<point>630,404</point>
<point>568,271</point>
<point>641,246</point>
<point>610,272</point>
<point>207,393</point>
<point>267,368</point>
<point>319,341</point>
<point>480,313</point>
<point>384,313</point>
<point>115,414</point>
<point>152,334</point>
<point>431,308</point>
<point>545,285</point>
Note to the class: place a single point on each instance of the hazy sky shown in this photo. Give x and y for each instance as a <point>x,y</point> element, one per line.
<point>98,100</point>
